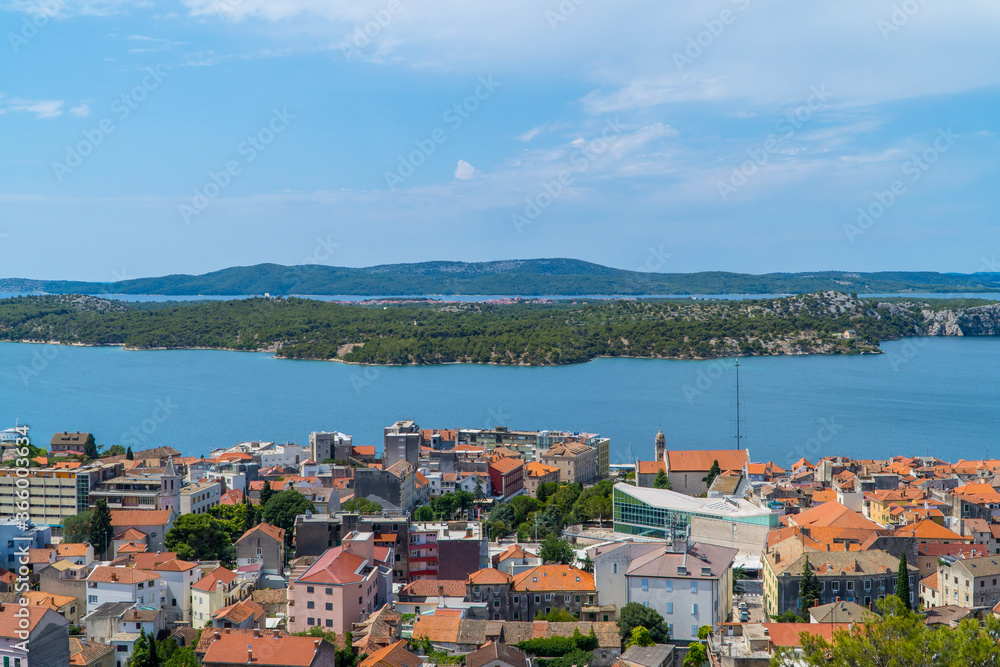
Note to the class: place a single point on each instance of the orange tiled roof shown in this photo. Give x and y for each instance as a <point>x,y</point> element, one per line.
<point>832,514</point>
<point>442,629</point>
<point>506,465</point>
<point>488,577</point>
<point>536,469</point>
<point>787,634</point>
<point>650,467</point>
<point>554,578</point>
<point>219,574</point>
<point>132,518</point>
<point>10,624</point>
<point>120,575</point>
<point>394,655</point>
<point>233,649</point>
<point>927,529</point>
<point>275,533</point>
<point>701,460</point>
<point>72,549</point>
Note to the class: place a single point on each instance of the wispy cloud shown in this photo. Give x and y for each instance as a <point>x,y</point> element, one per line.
<point>41,108</point>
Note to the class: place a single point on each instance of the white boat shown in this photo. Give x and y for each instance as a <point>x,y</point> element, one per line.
<point>10,436</point>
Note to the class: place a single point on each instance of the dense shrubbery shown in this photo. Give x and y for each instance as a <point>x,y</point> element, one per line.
<point>477,333</point>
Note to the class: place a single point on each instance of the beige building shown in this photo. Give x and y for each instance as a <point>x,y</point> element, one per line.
<point>54,493</point>
<point>199,497</point>
<point>536,474</point>
<point>969,582</point>
<point>577,462</point>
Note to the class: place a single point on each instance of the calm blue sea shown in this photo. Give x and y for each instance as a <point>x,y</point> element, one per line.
<point>927,395</point>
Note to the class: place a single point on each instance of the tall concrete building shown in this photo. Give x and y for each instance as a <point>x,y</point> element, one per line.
<point>402,443</point>
<point>324,445</point>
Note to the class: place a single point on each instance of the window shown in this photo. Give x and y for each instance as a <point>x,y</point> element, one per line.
<point>517,599</point>
<point>577,598</point>
<point>311,621</point>
<point>694,610</point>
<point>92,599</point>
<point>496,588</point>
<point>548,597</point>
<point>496,602</point>
<point>694,586</point>
<point>850,585</point>
<point>645,584</point>
<point>517,615</point>
<point>670,586</point>
<point>694,630</point>
<point>329,591</point>
<point>329,606</point>
<point>670,607</point>
<point>329,622</point>
<point>538,598</point>
<point>834,586</point>
<point>309,589</point>
<point>360,601</point>
<point>868,584</point>
<point>614,568</point>
<point>310,605</point>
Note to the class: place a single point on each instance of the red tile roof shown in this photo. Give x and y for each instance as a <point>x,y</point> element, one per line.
<point>219,574</point>
<point>651,467</point>
<point>120,575</point>
<point>701,460</point>
<point>554,578</point>
<point>72,549</point>
<point>10,624</point>
<point>506,465</point>
<point>488,576</point>
<point>131,518</point>
<point>394,655</point>
<point>275,533</point>
<point>335,566</point>
<point>230,649</point>
<point>787,634</point>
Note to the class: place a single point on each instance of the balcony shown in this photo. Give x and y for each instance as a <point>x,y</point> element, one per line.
<point>424,559</point>
<point>423,573</point>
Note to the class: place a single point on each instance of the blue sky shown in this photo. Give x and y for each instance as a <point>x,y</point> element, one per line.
<point>146,138</point>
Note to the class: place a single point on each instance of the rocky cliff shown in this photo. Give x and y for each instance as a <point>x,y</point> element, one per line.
<point>978,321</point>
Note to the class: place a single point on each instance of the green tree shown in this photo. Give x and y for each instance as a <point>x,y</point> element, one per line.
<point>713,472</point>
<point>696,655</point>
<point>283,507</point>
<point>115,450</point>
<point>101,531</point>
<point>90,448</point>
<point>635,615</point>
<point>903,582</point>
<point>423,513</point>
<point>183,657</point>
<point>498,529</point>
<point>129,455</point>
<point>144,652</point>
<point>661,481</point>
<point>556,616</point>
<point>587,565</point>
<point>810,589</point>
<point>640,637</point>
<point>739,576</point>
<point>199,537</point>
<point>266,492</point>
<point>361,506</point>
<point>76,528</point>
<point>556,550</point>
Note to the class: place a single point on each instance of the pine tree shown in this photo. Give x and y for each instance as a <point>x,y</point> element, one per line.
<point>713,472</point>
<point>903,582</point>
<point>265,493</point>
<point>129,455</point>
<point>661,481</point>
<point>101,531</point>
<point>810,589</point>
<point>90,448</point>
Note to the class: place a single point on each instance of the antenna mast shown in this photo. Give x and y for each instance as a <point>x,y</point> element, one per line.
<point>738,436</point>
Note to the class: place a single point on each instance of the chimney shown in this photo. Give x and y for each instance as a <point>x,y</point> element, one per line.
<point>256,633</point>
<point>277,633</point>
<point>249,653</point>
<point>216,635</point>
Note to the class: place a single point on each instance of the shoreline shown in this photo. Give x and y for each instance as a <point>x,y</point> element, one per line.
<point>876,351</point>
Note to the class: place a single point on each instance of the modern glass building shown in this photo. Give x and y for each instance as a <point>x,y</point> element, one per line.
<point>653,512</point>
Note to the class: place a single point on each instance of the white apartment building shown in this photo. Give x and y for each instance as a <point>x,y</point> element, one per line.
<point>122,584</point>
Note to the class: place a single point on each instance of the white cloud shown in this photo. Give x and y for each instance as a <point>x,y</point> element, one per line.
<point>41,108</point>
<point>530,134</point>
<point>464,171</point>
<point>80,110</point>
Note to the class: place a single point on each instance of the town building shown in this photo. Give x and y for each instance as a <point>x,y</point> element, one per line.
<point>122,584</point>
<point>969,582</point>
<point>47,641</point>
<point>401,443</point>
<point>689,587</point>
<point>218,589</point>
<point>536,474</point>
<point>446,550</point>
<point>200,497</point>
<point>342,587</point>
<point>687,470</point>
<point>577,462</point>
<point>55,492</point>
<point>507,477</point>
<point>153,524</point>
<point>650,512</point>
<point>263,544</point>
<point>70,444</point>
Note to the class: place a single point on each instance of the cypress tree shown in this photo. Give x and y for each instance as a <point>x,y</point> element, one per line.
<point>265,493</point>
<point>810,589</point>
<point>101,532</point>
<point>903,582</point>
<point>713,472</point>
<point>129,455</point>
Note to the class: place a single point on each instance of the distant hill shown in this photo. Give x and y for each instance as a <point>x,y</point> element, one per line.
<point>527,277</point>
